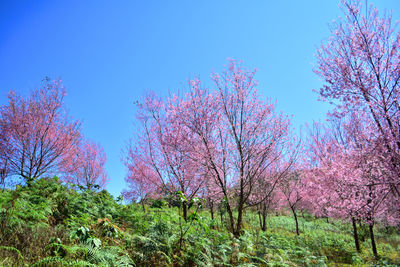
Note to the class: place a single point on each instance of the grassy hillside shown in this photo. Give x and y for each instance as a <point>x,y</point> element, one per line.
<point>48,224</point>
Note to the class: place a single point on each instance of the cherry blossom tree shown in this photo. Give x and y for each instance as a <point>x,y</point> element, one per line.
<point>163,148</point>
<point>264,196</point>
<point>142,179</point>
<point>235,135</point>
<point>223,139</point>
<point>334,177</point>
<point>349,173</point>
<point>293,190</point>
<point>38,137</point>
<point>360,64</point>
<point>87,168</point>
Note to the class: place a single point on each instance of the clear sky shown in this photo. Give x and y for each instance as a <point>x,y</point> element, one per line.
<point>109,52</point>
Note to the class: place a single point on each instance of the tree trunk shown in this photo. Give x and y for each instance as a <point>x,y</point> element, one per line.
<point>231,219</point>
<point>184,208</point>
<point>143,207</point>
<point>211,209</point>
<point>263,216</point>
<point>238,229</point>
<point>373,244</point>
<point>355,235</point>
<point>264,220</point>
<point>295,218</point>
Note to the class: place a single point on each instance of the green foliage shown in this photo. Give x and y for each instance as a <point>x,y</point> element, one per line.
<point>10,255</point>
<point>51,224</point>
<point>159,203</point>
<point>107,229</point>
<point>82,233</point>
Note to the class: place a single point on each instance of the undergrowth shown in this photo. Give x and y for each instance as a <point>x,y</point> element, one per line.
<point>50,224</point>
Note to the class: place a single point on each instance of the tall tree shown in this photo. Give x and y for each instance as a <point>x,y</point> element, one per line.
<point>349,173</point>
<point>360,64</point>
<point>236,135</point>
<point>38,136</point>
<point>162,146</point>
<point>223,139</point>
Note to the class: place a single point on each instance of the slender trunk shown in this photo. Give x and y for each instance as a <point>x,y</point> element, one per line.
<point>263,216</point>
<point>143,207</point>
<point>184,207</point>
<point>373,244</point>
<point>295,218</point>
<point>259,215</point>
<point>212,213</point>
<point>212,210</point>
<point>231,219</point>
<point>264,224</point>
<point>221,214</point>
<point>355,235</point>
<point>238,229</point>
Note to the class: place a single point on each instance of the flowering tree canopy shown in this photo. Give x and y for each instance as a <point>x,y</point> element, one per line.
<point>87,168</point>
<point>37,135</point>
<point>360,65</point>
<point>223,140</point>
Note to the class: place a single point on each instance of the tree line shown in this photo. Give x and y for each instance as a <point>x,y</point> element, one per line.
<point>226,144</point>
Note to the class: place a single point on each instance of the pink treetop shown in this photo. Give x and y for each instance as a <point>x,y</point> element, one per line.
<point>198,112</point>
<point>37,135</point>
<point>293,189</point>
<point>142,180</point>
<point>87,168</point>
<point>223,139</point>
<point>360,64</point>
<point>235,132</point>
<point>252,127</point>
<point>163,147</point>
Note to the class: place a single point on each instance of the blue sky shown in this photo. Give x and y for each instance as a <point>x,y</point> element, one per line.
<point>108,53</point>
